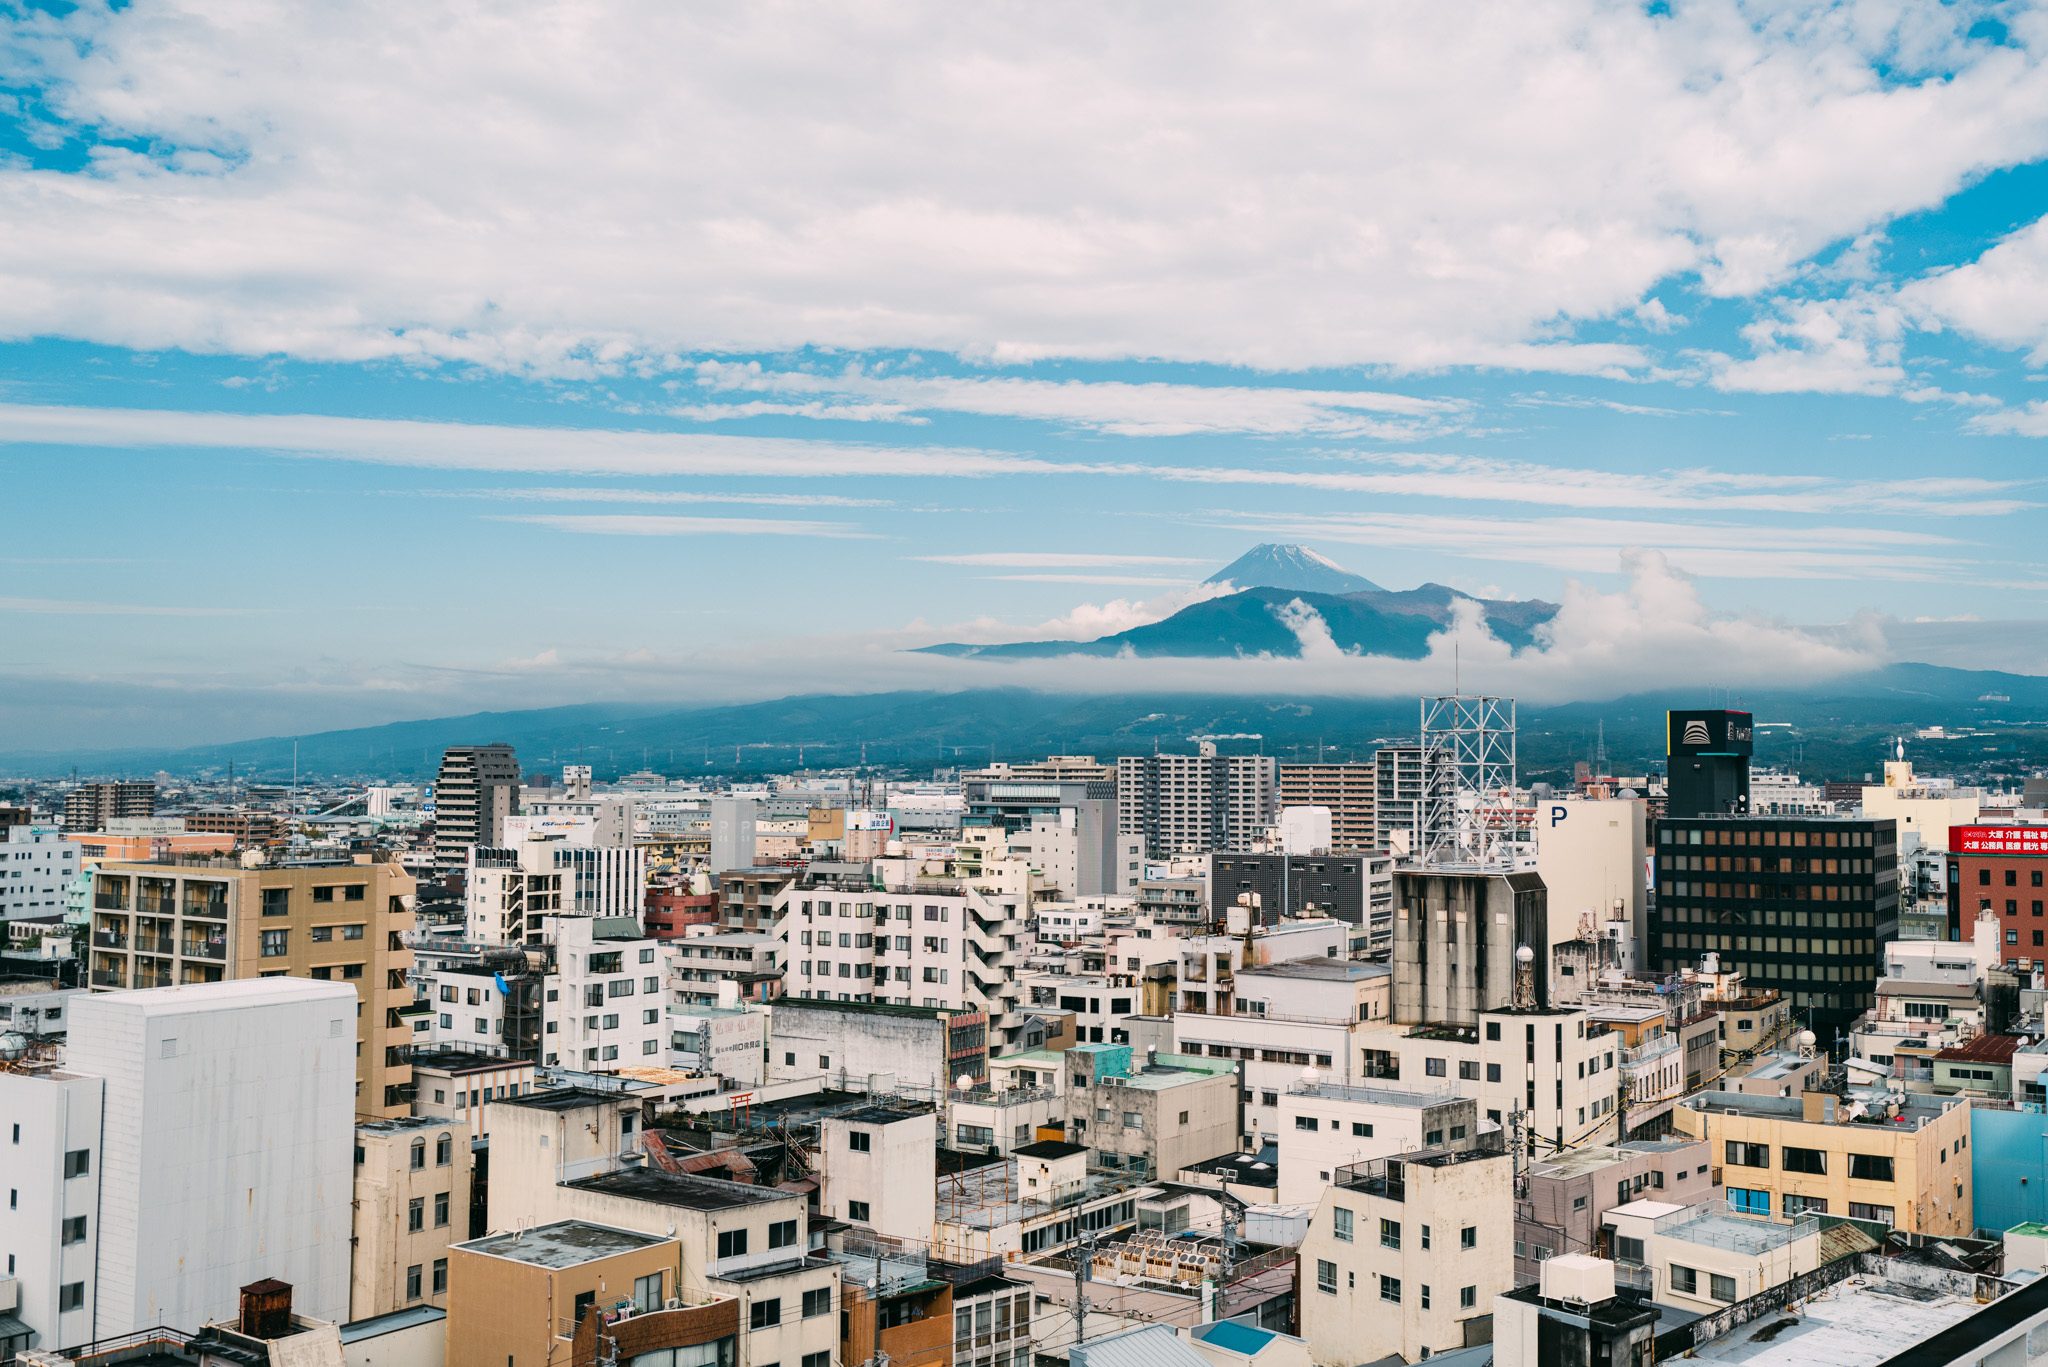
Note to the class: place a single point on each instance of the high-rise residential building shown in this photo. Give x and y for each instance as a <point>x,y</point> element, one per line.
<point>1346,789</point>
<point>477,789</point>
<point>507,891</point>
<point>90,807</point>
<point>1067,828</point>
<point>156,923</point>
<point>1192,804</point>
<point>1802,905</point>
<point>1398,796</point>
<point>247,825</point>
<point>194,1140</point>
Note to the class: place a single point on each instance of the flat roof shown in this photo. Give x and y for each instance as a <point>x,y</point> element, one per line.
<point>1647,1210</point>
<point>1050,1148</point>
<point>863,1008</point>
<point>563,1098</point>
<point>401,1124</point>
<point>463,1061</point>
<point>681,1189</point>
<point>1325,969</point>
<point>1858,1323</point>
<point>185,998</point>
<point>407,1318</point>
<point>566,1243</point>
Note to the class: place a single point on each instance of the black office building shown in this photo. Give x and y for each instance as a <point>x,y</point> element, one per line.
<point>1290,884</point>
<point>1800,904</point>
<point>1707,762</point>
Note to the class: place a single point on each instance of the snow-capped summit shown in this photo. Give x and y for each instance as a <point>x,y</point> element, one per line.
<point>1291,567</point>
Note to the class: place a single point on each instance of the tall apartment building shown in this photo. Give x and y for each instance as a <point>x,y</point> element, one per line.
<point>246,825</point>
<point>156,923</point>
<point>194,1140</point>
<point>1192,804</point>
<point>90,807</point>
<point>477,789</point>
<point>1348,790</point>
<point>507,891</point>
<point>1068,828</point>
<point>1398,793</point>
<point>1802,905</point>
<point>37,865</point>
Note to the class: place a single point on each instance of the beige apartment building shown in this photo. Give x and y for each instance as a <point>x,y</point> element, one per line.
<point>412,1202</point>
<point>1346,789</point>
<point>165,922</point>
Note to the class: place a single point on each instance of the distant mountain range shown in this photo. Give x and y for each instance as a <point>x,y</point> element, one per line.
<point>1839,728</point>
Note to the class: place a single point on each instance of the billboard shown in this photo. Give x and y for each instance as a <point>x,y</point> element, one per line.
<point>1708,731</point>
<point>1998,840</point>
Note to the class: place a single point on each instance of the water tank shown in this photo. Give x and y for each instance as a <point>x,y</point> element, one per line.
<point>1577,1277</point>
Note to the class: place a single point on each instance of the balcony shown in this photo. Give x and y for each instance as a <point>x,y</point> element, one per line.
<point>205,949</point>
<point>108,977</point>
<point>107,939</point>
<point>155,944</point>
<point>110,901</point>
<point>212,909</point>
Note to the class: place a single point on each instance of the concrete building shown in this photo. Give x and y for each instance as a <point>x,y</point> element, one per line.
<point>1702,1257</point>
<point>91,806</point>
<point>412,1200</point>
<point>1305,1013</point>
<point>548,873</point>
<point>726,965</point>
<point>875,1169</point>
<point>1456,932</point>
<point>37,865</point>
<point>852,1043</point>
<point>1067,828</point>
<point>1590,854</point>
<point>182,921</point>
<point>1566,1197</point>
<point>1573,1315</point>
<point>1039,1200</point>
<point>224,1153</point>
<point>1354,888</point>
<point>608,998</point>
<point>1149,1115</point>
<point>1326,1126</point>
<point>1192,804</point>
<point>1999,870</point>
<point>574,1292</point>
<point>731,1041</point>
<point>1823,1154</point>
<point>477,788</point>
<point>1406,1254</point>
<point>751,1243</point>
<point>49,1228</point>
<point>1751,889</point>
<point>1707,762</point>
<point>1926,808</point>
<point>1347,789</point>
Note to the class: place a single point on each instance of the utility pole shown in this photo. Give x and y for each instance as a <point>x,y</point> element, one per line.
<point>1084,1258</point>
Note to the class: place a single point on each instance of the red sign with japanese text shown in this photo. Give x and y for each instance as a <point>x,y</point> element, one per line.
<point>1998,840</point>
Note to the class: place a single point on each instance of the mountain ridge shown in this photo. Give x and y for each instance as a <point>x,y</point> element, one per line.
<point>1276,566</point>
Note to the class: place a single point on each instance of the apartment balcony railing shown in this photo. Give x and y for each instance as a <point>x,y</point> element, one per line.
<point>157,906</point>
<point>154,944</point>
<point>210,910</point>
<point>106,977</point>
<point>110,901</point>
<point>143,980</point>
<point>205,949</point>
<point>103,939</point>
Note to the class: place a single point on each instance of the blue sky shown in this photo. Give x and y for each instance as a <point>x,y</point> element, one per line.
<point>386,360</point>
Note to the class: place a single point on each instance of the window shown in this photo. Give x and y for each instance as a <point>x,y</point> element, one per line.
<point>1749,1201</point>
<point>765,1314</point>
<point>1860,1211</point>
<point>1493,1030</point>
<point>276,943</point>
<point>1133,1120</point>
<point>1468,1070</point>
<point>322,934</point>
<point>1425,1237</point>
<point>416,1215</point>
<point>71,1296</point>
<point>74,1230</point>
<point>857,1210</point>
<point>277,901</point>
<point>1721,1288</point>
<point>818,1302</point>
<point>782,1234</point>
<point>1390,1289</point>
<point>412,1282</point>
<point>1433,1067</point>
<point>1493,1072</point>
<point>1627,1250</point>
<point>1468,1237</point>
<point>1362,1129</point>
<point>859,1141</point>
<point>1326,1276</point>
<point>1805,1205</point>
<point>1814,1161</point>
<point>444,1147</point>
<point>78,1163</point>
<point>821,1358</point>
<point>351,932</point>
<point>325,894</point>
<point>1685,1279</point>
<point>1743,1155</point>
<point>1870,1167</point>
<point>1468,1297</point>
<point>1306,1122</point>
<point>1425,1295</point>
<point>732,1243</point>
<point>1341,1224</point>
<point>440,1210</point>
<point>440,1276</point>
<point>1390,1234</point>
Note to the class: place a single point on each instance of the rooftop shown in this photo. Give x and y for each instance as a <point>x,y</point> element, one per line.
<point>1049,1149</point>
<point>185,998</point>
<point>403,1124</point>
<point>1994,1049</point>
<point>566,1243</point>
<point>463,1061</point>
<point>1378,1096</point>
<point>783,1004</point>
<point>683,1190</point>
<point>1323,969</point>
<point>1858,1322</point>
<point>559,1098</point>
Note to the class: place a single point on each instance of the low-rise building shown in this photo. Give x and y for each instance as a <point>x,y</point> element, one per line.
<point>1149,1114</point>
<point>411,1202</point>
<point>1406,1254</point>
<point>1326,1126</point>
<point>1039,1200</point>
<point>1898,1160</point>
<point>851,1042</point>
<point>1565,1199</point>
<point>1702,1257</point>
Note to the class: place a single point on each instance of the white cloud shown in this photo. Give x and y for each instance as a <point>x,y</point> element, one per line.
<point>1131,410</point>
<point>1846,346</point>
<point>593,451</point>
<point>74,608</point>
<point>601,495</point>
<point>1135,580</point>
<point>650,524</point>
<point>578,188</point>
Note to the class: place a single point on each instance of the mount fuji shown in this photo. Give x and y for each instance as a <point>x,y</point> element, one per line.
<point>1274,566</point>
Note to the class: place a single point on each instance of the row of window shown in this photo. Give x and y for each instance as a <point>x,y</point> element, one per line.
<point>1868,1167</point>
<point>767,1313</point>
<point>732,1243</point>
<point>1740,836</point>
<point>1765,892</point>
<point>1390,1287</point>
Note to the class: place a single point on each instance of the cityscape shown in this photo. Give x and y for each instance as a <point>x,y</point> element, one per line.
<point>907,685</point>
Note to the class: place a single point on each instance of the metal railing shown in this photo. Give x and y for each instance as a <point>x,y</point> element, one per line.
<point>103,939</point>
<point>102,977</point>
<point>205,949</point>
<point>154,944</point>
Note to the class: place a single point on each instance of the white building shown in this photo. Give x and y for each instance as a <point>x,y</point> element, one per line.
<point>1325,1126</point>
<point>225,1152</point>
<point>1306,1013</point>
<point>875,1168</point>
<point>50,1164</point>
<point>730,1040</point>
<point>605,1007</point>
<point>1922,807</point>
<point>549,872</point>
<point>37,865</point>
<point>1592,854</point>
<point>1197,803</point>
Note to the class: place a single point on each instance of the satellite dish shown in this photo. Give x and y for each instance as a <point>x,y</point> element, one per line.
<point>13,1047</point>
